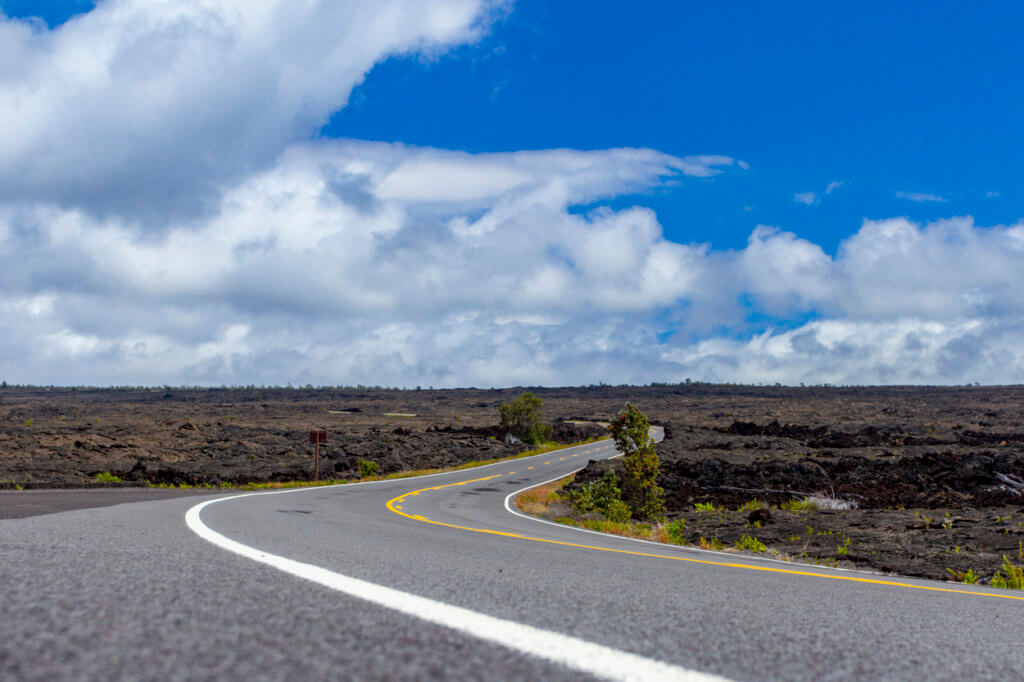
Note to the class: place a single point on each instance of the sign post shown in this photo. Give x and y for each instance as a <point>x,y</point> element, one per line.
<point>317,436</point>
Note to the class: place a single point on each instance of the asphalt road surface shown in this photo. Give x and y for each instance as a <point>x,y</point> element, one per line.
<point>439,578</point>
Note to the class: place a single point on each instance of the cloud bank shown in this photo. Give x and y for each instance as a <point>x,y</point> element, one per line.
<point>167,216</point>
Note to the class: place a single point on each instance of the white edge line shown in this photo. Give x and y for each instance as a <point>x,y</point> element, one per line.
<point>578,654</point>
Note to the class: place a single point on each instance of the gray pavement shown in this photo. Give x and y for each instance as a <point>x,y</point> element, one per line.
<point>129,592</point>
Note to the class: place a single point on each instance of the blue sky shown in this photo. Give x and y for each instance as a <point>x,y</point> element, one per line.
<point>883,97</point>
<point>878,125</point>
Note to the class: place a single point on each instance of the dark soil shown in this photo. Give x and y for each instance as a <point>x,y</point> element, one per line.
<point>934,473</point>
<point>62,438</point>
<point>934,476</point>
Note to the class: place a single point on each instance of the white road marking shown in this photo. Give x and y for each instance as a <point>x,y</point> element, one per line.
<point>578,654</point>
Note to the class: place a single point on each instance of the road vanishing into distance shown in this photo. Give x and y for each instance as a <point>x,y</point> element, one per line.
<point>440,577</point>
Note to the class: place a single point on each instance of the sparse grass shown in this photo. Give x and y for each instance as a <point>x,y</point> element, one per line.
<point>804,504</point>
<point>968,577</point>
<point>106,477</point>
<point>273,485</point>
<point>751,505</point>
<point>629,529</point>
<point>749,542</point>
<point>536,501</point>
<point>713,543</point>
<point>1013,578</point>
<point>844,548</point>
<point>704,506</point>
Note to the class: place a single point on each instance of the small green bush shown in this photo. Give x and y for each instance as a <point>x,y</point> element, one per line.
<point>751,543</point>
<point>676,531</point>
<point>368,467</point>
<point>106,477</point>
<point>603,496</point>
<point>704,506</point>
<point>1014,578</point>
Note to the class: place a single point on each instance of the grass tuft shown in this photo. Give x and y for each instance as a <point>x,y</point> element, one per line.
<point>751,543</point>
<point>968,577</point>
<point>1013,578</point>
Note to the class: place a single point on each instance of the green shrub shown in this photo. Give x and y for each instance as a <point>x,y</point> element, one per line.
<point>751,505</point>
<point>106,477</point>
<point>522,418</point>
<point>368,467</point>
<point>676,531</point>
<point>751,543</point>
<point>704,506</point>
<point>1014,578</point>
<point>603,496</point>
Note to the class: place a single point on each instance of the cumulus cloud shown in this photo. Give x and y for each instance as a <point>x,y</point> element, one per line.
<point>843,352</point>
<point>349,243</point>
<point>153,106</point>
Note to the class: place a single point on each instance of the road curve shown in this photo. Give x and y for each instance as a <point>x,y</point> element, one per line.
<point>437,577</point>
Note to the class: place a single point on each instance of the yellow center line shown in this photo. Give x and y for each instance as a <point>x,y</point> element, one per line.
<point>547,462</point>
<point>529,467</point>
<point>391,504</point>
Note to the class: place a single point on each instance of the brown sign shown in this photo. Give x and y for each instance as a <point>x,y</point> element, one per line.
<point>318,436</point>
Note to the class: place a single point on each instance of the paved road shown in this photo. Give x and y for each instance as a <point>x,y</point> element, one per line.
<point>130,591</point>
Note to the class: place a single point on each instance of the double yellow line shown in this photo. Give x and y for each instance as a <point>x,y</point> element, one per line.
<point>395,505</point>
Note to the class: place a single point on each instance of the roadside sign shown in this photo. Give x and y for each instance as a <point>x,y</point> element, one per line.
<point>317,436</point>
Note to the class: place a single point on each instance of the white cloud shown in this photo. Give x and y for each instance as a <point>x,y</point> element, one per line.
<point>992,195</point>
<point>921,197</point>
<point>906,351</point>
<point>327,245</point>
<point>813,198</point>
<point>152,106</point>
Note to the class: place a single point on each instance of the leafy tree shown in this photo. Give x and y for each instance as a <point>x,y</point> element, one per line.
<point>640,490</point>
<point>522,418</point>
